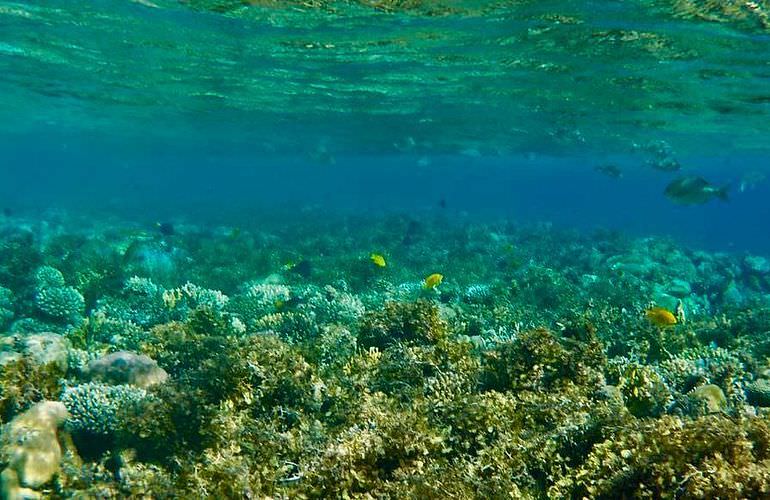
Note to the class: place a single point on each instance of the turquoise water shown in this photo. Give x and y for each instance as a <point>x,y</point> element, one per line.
<point>420,101</point>
<point>484,78</point>
<point>384,249</point>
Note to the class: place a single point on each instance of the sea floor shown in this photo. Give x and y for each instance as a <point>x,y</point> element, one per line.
<point>391,356</point>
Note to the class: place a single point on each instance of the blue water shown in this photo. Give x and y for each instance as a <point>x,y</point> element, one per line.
<point>206,184</point>
<point>214,110</point>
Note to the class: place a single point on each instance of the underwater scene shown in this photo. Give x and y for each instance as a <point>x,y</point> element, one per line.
<point>407,249</point>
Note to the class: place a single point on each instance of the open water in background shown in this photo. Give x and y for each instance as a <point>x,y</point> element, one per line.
<point>216,111</point>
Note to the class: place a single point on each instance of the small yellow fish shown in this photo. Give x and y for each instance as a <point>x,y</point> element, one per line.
<point>378,260</point>
<point>433,280</point>
<point>660,317</point>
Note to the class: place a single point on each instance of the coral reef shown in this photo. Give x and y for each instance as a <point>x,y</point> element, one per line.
<point>532,371</point>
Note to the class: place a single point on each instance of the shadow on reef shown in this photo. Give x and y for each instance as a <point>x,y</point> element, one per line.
<point>531,371</point>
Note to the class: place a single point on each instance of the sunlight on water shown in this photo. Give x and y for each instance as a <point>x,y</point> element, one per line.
<point>488,77</point>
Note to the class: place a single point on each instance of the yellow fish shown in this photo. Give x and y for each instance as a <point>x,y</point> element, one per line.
<point>378,260</point>
<point>660,316</point>
<point>433,280</point>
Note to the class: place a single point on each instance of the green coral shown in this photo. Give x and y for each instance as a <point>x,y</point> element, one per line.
<point>100,409</point>
<point>711,457</point>
<point>48,277</point>
<point>6,307</point>
<point>644,391</point>
<point>409,322</point>
<point>24,382</point>
<point>61,304</point>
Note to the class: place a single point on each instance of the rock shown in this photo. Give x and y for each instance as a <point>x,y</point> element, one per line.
<point>679,288</point>
<point>125,367</point>
<point>31,449</point>
<point>757,264</point>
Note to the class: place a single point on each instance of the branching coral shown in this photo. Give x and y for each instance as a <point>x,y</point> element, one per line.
<point>99,408</point>
<point>64,304</point>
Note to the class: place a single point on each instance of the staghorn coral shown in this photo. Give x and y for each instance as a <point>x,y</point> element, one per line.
<point>333,347</point>
<point>139,302</point>
<point>190,296</point>
<point>332,306</point>
<point>98,328</point>
<point>257,301</point>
